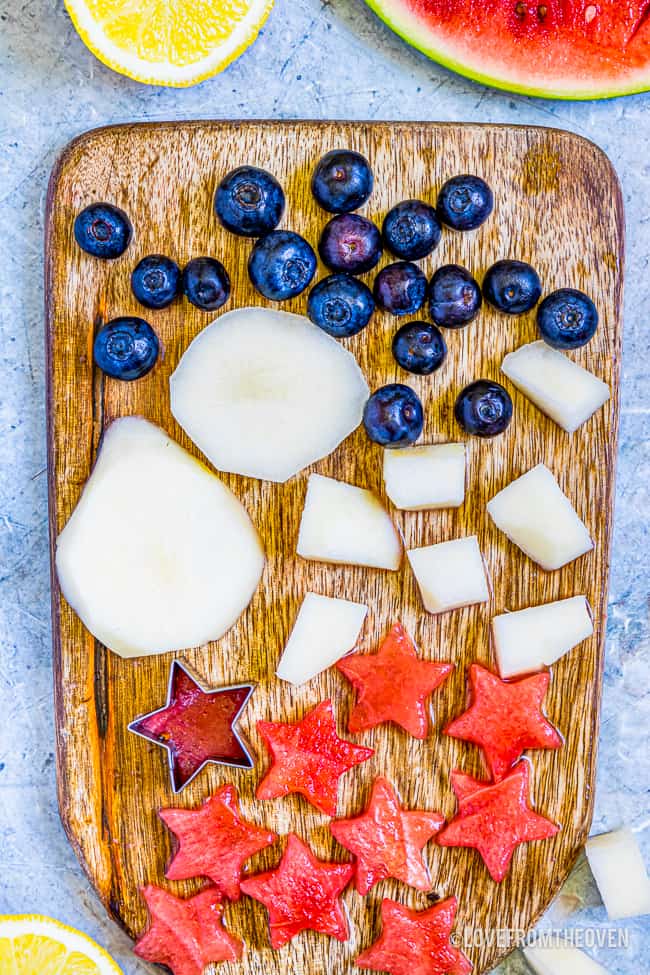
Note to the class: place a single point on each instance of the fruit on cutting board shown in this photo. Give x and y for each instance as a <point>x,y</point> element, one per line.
<point>103,230</point>
<point>620,873</point>
<point>567,319</point>
<point>450,574</point>
<point>454,297</point>
<point>464,202</point>
<point>400,288</point>
<point>350,243</point>
<point>536,515</point>
<point>126,348</point>
<point>393,416</point>
<point>559,959</point>
<point>158,554</point>
<point>419,348</point>
<point>512,287</point>
<point>484,408</point>
<point>341,305</point>
<point>264,393</point>
<point>411,230</point>
<point>249,201</point>
<point>342,181</point>
<point>206,283</point>
<point>347,525</point>
<point>31,944</point>
<point>281,265</point>
<point>421,478</point>
<point>326,628</point>
<point>155,281</point>
<point>533,638</point>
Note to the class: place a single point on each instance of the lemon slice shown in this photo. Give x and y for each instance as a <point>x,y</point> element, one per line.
<point>168,42</point>
<point>35,945</point>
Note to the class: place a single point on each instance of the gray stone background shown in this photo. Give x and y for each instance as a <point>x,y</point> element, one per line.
<point>314,59</point>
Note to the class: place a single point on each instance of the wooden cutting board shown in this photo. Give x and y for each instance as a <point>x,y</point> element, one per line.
<point>558,205</point>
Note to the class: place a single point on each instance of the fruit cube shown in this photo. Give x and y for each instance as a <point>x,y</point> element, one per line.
<point>536,637</point>
<point>432,476</point>
<point>560,959</point>
<point>325,630</point>
<point>450,574</point>
<point>620,873</point>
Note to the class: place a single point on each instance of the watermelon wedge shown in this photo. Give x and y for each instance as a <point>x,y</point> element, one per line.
<point>555,48</point>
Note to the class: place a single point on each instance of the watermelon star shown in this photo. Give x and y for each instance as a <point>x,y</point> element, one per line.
<point>302,894</point>
<point>392,685</point>
<point>495,818</point>
<point>387,840</point>
<point>505,718</point>
<point>416,942</point>
<point>186,935</point>
<point>214,841</point>
<point>309,758</point>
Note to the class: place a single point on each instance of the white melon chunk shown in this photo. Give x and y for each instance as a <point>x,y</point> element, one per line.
<point>620,873</point>
<point>431,476</point>
<point>347,525</point>
<point>532,638</point>
<point>158,554</point>
<point>450,574</point>
<point>325,630</point>
<point>556,384</point>
<point>265,393</point>
<point>559,959</point>
<point>537,516</point>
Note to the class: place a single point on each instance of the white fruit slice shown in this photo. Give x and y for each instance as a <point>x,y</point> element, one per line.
<point>347,525</point>
<point>620,873</point>
<point>420,478</point>
<point>561,960</point>
<point>560,387</point>
<point>158,554</point>
<point>450,574</point>
<point>325,630</point>
<point>537,516</point>
<point>536,637</point>
<point>265,393</point>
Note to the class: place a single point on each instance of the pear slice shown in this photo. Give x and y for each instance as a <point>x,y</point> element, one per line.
<point>426,477</point>
<point>326,628</point>
<point>561,959</point>
<point>450,574</point>
<point>620,873</point>
<point>265,393</point>
<point>533,638</point>
<point>158,554</point>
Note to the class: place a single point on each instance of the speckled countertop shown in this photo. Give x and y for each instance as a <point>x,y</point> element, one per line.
<point>315,59</point>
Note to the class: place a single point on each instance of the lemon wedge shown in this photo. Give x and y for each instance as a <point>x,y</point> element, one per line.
<point>35,945</point>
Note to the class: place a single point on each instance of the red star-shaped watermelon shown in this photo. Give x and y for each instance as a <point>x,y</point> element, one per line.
<point>387,840</point>
<point>416,942</point>
<point>392,684</point>
<point>309,758</point>
<point>302,894</point>
<point>186,935</point>
<point>495,818</point>
<point>505,718</point>
<point>214,841</point>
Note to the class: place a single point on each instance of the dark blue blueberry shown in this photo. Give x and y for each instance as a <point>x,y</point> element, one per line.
<point>103,230</point>
<point>483,408</point>
<point>126,348</point>
<point>156,281</point>
<point>567,319</point>
<point>400,288</point>
<point>512,286</point>
<point>342,181</point>
<point>454,297</point>
<point>464,202</point>
<point>411,230</point>
<point>341,305</point>
<point>350,243</point>
<point>249,202</point>
<point>419,347</point>
<point>205,283</point>
<point>281,265</point>
<point>393,416</point>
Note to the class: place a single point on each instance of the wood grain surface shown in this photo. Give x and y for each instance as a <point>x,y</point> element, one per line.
<point>558,206</point>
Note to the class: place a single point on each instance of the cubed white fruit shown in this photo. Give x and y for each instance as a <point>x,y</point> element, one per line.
<point>537,516</point>
<point>325,630</point>
<point>620,873</point>
<point>538,636</point>
<point>347,525</point>
<point>450,574</point>
<point>420,478</point>
<point>561,960</point>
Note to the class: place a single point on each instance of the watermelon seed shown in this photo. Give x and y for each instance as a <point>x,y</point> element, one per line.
<point>542,10</point>
<point>520,10</point>
<point>590,13</point>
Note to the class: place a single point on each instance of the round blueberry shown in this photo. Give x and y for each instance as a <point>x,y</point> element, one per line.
<point>411,230</point>
<point>249,202</point>
<point>281,265</point>
<point>464,202</point>
<point>341,305</point>
<point>103,230</point>
<point>512,287</point>
<point>350,243</point>
<point>483,408</point>
<point>393,416</point>
<point>419,347</point>
<point>126,348</point>
<point>400,288</point>
<point>155,281</point>
<point>342,181</point>
<point>567,319</point>
<point>454,297</point>
<point>205,283</point>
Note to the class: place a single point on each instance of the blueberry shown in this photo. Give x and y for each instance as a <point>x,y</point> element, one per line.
<point>341,305</point>
<point>342,181</point>
<point>205,283</point>
<point>464,202</point>
<point>126,348</point>
<point>350,243</point>
<point>512,286</point>
<point>483,408</point>
<point>155,281</point>
<point>249,202</point>
<point>567,319</point>
<point>411,230</point>
<point>281,265</point>
<point>419,347</point>
<point>400,288</point>
<point>103,230</point>
<point>454,297</point>
<point>393,416</point>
